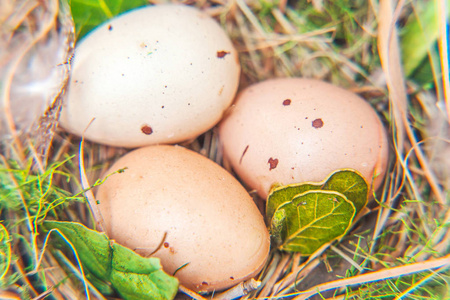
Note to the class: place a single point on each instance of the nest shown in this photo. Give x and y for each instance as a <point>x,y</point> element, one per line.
<point>400,246</point>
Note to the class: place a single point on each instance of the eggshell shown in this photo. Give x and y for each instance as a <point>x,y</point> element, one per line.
<point>158,74</point>
<point>294,130</point>
<point>212,223</point>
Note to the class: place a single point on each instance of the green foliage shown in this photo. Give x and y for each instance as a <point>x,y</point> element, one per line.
<point>32,195</point>
<point>88,14</point>
<point>347,182</point>
<point>133,276</point>
<point>5,251</point>
<point>313,219</point>
<point>424,285</point>
<point>419,42</point>
<point>26,199</point>
<point>305,216</point>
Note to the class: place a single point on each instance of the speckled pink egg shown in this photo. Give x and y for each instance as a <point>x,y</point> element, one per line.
<point>292,130</point>
<point>213,234</point>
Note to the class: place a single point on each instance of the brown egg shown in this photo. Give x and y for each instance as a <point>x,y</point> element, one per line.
<point>215,235</point>
<point>293,130</point>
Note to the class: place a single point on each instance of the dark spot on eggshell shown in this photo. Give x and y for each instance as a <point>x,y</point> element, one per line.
<point>204,283</point>
<point>146,130</point>
<point>287,102</point>
<point>273,163</point>
<point>166,245</point>
<point>221,54</point>
<point>110,27</point>
<point>317,123</point>
<point>243,153</point>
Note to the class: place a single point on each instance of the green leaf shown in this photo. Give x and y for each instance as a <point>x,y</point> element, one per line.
<point>131,275</point>
<point>88,14</point>
<point>351,184</point>
<point>313,219</point>
<point>348,182</point>
<point>278,226</point>
<point>420,34</point>
<point>5,251</point>
<point>105,288</point>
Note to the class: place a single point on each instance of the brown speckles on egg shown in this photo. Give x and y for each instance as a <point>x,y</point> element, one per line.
<point>243,153</point>
<point>287,102</point>
<point>110,28</point>
<point>166,245</point>
<point>221,54</point>
<point>273,163</point>
<point>317,123</point>
<point>146,130</point>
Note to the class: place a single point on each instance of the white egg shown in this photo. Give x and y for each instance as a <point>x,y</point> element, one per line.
<point>158,74</point>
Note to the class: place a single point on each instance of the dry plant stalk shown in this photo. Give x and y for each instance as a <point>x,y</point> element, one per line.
<point>443,262</point>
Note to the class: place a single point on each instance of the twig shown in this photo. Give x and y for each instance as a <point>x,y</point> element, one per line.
<point>273,278</point>
<point>286,285</point>
<point>348,259</point>
<point>419,283</point>
<point>239,290</point>
<point>75,253</point>
<point>76,271</point>
<point>190,293</point>
<point>376,276</point>
<point>99,222</point>
<point>391,63</point>
<point>443,47</point>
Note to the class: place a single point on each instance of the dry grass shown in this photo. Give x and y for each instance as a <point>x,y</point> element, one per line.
<point>398,250</point>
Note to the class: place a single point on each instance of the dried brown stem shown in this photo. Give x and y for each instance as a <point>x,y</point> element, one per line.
<point>190,293</point>
<point>239,290</point>
<point>376,276</point>
<point>99,222</point>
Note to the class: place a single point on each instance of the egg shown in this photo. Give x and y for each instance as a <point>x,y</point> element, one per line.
<point>213,236</point>
<point>158,74</point>
<point>293,130</point>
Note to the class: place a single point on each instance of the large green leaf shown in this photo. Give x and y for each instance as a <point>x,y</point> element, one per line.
<point>312,219</point>
<point>348,182</point>
<point>133,276</point>
<point>88,14</point>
